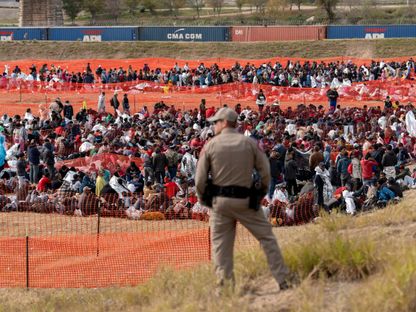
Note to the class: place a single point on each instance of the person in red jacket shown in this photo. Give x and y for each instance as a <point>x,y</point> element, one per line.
<point>44,183</point>
<point>367,165</point>
<point>210,112</point>
<point>171,188</point>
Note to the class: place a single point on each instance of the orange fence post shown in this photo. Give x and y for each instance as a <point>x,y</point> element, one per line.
<point>209,244</point>
<point>98,229</point>
<point>27,261</point>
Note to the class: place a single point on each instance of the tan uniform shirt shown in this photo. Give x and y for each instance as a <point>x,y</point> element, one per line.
<point>231,157</point>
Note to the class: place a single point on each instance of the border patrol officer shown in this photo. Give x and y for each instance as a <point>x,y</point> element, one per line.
<point>230,159</point>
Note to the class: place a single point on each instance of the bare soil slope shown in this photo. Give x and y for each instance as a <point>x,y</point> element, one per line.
<point>254,50</point>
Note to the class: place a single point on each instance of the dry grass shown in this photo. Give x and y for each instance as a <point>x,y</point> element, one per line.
<point>185,50</point>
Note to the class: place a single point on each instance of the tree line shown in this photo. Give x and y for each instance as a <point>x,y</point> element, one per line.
<point>115,8</point>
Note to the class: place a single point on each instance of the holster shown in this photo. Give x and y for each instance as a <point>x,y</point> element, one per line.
<point>256,196</point>
<point>208,195</point>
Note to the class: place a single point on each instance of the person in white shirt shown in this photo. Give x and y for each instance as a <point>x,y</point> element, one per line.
<point>28,115</point>
<point>101,103</point>
<point>382,121</point>
<point>349,200</point>
<point>188,163</point>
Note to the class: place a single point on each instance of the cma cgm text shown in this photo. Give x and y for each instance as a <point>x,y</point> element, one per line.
<point>176,36</point>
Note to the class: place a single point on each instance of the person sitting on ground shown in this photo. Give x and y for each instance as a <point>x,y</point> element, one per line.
<point>395,187</point>
<point>44,183</point>
<point>384,194</point>
<point>87,202</point>
<point>148,190</point>
<point>349,199</point>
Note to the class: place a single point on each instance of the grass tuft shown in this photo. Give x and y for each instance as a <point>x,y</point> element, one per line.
<point>333,256</point>
<point>394,289</point>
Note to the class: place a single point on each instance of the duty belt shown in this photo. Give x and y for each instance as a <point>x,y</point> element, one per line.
<point>231,191</point>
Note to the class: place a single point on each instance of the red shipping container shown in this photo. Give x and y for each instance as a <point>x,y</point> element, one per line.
<point>277,33</point>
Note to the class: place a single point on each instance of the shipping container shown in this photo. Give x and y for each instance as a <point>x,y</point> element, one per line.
<point>10,33</point>
<point>93,34</point>
<point>371,32</point>
<point>184,33</point>
<point>277,33</point>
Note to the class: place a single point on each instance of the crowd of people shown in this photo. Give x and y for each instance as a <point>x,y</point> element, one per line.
<point>310,74</point>
<point>352,159</point>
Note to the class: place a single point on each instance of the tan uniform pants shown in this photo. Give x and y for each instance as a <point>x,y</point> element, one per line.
<point>224,215</point>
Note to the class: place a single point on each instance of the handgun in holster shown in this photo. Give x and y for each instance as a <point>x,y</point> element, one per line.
<point>208,195</point>
<point>257,193</point>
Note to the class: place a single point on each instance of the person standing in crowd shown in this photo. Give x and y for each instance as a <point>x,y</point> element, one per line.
<point>34,161</point>
<point>315,158</point>
<point>99,183</point>
<point>291,170</point>
<point>275,171</point>
<point>188,163</point>
<point>342,167</point>
<point>148,166</point>
<point>389,162</point>
<point>230,158</point>
<point>367,168</point>
<point>21,169</point>
<point>261,101</point>
<point>115,103</point>
<point>203,110</point>
<point>388,104</point>
<point>49,159</point>
<point>322,184</point>
<point>21,134</point>
<point>101,103</point>
<point>355,171</point>
<point>126,104</point>
<point>332,95</point>
<point>68,111</point>
<point>160,162</point>
<point>173,161</point>
<point>28,115</point>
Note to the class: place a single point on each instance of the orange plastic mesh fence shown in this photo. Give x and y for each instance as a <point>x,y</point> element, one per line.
<point>107,161</point>
<point>71,240</point>
<point>16,101</point>
<point>168,63</point>
<point>17,96</point>
<point>98,245</point>
<point>357,91</point>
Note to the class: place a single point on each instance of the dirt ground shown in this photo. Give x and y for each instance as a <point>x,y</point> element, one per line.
<point>32,50</point>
